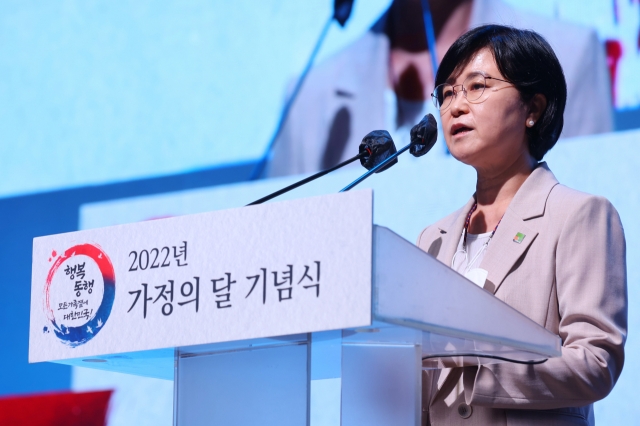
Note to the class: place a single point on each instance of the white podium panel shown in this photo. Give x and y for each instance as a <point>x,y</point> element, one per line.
<point>282,268</point>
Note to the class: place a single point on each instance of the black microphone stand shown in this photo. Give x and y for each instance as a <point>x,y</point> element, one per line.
<point>423,137</point>
<point>310,178</point>
<point>375,169</point>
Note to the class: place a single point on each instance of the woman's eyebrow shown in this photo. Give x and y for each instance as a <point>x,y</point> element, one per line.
<point>452,80</point>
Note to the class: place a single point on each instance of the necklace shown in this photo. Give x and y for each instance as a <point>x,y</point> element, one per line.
<point>464,241</point>
<point>466,227</point>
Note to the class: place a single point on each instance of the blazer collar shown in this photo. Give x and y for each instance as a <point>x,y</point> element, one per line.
<point>517,230</point>
<point>505,248</point>
<point>531,199</point>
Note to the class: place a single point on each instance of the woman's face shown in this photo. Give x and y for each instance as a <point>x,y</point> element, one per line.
<point>487,133</point>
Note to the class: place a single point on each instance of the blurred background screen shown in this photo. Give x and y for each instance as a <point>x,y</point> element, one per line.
<point>113,112</point>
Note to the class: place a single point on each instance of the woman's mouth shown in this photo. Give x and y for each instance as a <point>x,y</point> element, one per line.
<point>461,130</point>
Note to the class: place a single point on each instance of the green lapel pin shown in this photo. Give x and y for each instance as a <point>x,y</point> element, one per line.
<point>519,237</point>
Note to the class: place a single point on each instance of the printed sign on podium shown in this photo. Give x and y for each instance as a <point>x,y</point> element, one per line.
<point>227,275</point>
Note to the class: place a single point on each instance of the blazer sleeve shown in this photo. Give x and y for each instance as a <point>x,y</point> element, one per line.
<point>591,289</point>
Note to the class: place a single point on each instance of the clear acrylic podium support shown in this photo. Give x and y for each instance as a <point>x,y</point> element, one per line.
<point>364,376</point>
<point>351,377</point>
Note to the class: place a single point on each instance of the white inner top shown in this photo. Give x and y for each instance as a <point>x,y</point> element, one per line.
<point>467,259</point>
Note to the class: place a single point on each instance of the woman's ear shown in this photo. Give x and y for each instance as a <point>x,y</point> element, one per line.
<point>537,105</point>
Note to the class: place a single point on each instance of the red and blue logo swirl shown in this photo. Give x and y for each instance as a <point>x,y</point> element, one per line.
<point>75,330</point>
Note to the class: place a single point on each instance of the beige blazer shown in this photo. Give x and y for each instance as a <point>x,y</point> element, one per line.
<point>568,274</point>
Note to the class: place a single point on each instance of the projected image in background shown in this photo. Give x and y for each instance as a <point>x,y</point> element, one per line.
<point>617,23</point>
<point>384,79</point>
<point>113,91</point>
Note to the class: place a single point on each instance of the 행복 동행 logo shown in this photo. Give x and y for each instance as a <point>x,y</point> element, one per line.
<point>79,293</point>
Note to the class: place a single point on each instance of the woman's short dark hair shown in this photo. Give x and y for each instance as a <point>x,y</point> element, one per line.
<point>525,59</point>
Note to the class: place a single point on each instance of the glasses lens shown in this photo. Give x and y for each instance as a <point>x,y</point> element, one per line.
<point>474,85</point>
<point>442,95</point>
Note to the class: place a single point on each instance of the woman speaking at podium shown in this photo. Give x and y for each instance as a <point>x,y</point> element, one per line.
<point>555,254</point>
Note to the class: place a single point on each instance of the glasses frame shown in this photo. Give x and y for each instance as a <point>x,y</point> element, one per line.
<point>463,90</point>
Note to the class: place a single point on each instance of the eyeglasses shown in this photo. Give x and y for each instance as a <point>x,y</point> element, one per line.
<point>472,88</point>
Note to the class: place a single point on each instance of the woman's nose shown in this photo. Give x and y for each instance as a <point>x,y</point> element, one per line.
<point>459,104</point>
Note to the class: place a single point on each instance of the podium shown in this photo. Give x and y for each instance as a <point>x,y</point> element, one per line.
<point>294,313</point>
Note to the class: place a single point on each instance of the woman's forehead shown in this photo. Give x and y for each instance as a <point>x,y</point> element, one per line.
<point>482,62</point>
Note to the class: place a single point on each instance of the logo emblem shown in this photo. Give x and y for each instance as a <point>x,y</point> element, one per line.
<point>519,237</point>
<point>79,294</point>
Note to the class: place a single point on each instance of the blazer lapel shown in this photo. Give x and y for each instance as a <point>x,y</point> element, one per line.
<point>516,231</point>
<point>513,238</point>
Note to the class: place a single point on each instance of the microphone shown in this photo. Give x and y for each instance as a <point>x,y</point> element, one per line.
<point>423,137</point>
<point>375,148</point>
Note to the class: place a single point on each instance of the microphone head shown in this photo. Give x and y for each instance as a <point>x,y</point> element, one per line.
<point>423,136</point>
<point>377,146</point>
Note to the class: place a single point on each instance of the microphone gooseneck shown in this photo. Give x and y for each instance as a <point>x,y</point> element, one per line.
<point>380,167</point>
<point>377,153</point>
<point>374,149</point>
<point>307,180</point>
<point>423,138</point>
